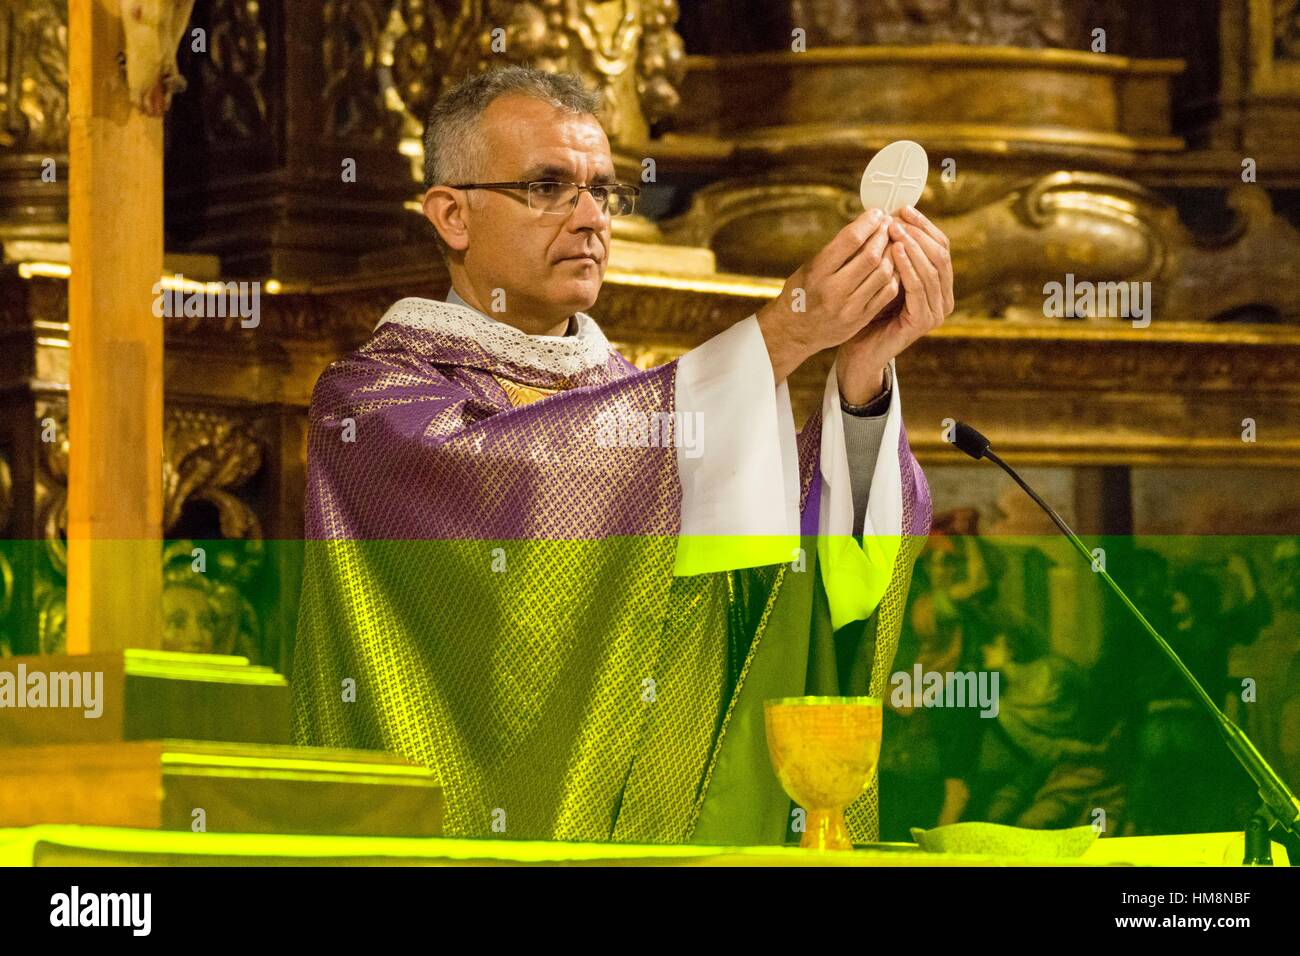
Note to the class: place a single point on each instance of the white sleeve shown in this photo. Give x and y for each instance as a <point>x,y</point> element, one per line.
<point>740,480</point>
<point>856,576</point>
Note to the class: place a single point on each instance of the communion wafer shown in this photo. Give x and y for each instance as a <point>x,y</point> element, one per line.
<point>895,177</point>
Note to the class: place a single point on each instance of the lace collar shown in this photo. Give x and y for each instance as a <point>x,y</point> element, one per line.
<point>565,355</point>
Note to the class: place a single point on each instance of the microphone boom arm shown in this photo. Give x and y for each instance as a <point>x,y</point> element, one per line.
<point>1280,804</point>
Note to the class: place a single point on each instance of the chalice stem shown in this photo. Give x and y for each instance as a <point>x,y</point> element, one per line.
<point>826,831</point>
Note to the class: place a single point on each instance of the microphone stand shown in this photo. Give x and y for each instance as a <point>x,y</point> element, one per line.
<point>1279,807</point>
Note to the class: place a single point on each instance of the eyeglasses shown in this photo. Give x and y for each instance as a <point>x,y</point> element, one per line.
<point>559,199</point>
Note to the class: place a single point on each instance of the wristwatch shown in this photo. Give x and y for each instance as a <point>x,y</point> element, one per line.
<point>877,406</point>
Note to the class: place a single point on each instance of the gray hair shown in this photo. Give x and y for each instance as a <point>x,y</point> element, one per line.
<point>454,146</point>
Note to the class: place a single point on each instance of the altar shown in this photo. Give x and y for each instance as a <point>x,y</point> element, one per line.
<point>74,846</point>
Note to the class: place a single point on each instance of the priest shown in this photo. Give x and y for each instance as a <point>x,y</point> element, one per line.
<point>568,585</point>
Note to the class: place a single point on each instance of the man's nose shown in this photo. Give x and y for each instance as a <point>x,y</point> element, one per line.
<point>588,213</point>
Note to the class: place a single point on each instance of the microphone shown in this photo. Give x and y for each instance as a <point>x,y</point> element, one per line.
<point>1281,808</point>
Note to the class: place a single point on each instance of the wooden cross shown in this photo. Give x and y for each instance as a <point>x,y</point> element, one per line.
<point>115,413</point>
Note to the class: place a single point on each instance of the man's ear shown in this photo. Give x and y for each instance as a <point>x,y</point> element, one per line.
<point>445,208</point>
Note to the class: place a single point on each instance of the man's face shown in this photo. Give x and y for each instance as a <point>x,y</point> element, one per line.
<point>546,263</point>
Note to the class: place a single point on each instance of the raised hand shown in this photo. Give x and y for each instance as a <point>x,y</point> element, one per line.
<point>830,297</point>
<point>923,263</point>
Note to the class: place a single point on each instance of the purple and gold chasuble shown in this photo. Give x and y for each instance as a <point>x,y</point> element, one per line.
<point>495,589</point>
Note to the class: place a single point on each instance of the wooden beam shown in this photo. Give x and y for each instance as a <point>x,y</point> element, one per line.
<point>116,343</point>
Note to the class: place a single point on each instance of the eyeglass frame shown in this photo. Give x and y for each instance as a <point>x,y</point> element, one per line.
<point>527,185</point>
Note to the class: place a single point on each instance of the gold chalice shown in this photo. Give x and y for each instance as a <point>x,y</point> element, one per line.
<point>824,750</point>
